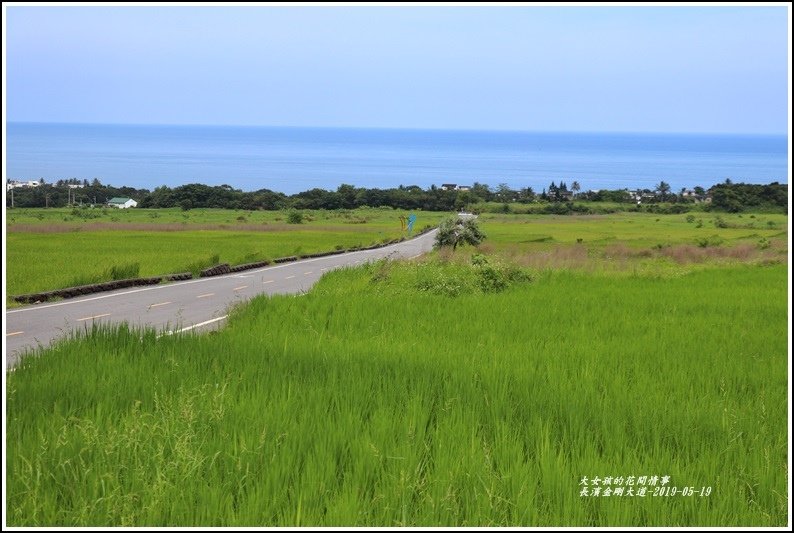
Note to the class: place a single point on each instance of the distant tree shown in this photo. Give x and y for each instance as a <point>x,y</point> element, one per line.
<point>700,192</point>
<point>575,187</point>
<point>504,193</point>
<point>463,199</point>
<point>347,195</point>
<point>726,198</point>
<point>663,189</point>
<point>481,191</point>
<point>526,195</point>
<point>455,231</point>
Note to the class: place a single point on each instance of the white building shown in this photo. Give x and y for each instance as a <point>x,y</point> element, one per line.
<point>17,184</point>
<point>122,203</point>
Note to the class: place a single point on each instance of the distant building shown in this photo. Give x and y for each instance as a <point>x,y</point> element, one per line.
<point>17,184</point>
<point>122,203</point>
<point>639,194</point>
<point>455,187</point>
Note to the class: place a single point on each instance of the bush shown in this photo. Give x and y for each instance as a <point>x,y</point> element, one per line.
<point>714,240</point>
<point>720,223</point>
<point>295,217</point>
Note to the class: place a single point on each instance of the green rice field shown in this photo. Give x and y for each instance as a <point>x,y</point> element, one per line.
<point>52,249</point>
<point>487,387</point>
<point>602,371</point>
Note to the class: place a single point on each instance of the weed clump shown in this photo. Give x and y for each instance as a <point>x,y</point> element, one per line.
<point>707,242</point>
<point>444,277</point>
<point>126,271</point>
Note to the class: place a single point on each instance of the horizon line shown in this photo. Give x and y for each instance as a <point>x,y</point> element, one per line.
<point>400,128</point>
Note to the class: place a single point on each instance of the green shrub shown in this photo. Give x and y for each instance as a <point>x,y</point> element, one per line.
<point>706,242</point>
<point>295,217</point>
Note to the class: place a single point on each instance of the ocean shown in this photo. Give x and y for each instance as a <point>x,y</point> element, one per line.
<point>291,160</point>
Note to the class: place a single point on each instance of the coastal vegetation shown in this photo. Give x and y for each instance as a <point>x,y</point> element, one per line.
<point>557,198</point>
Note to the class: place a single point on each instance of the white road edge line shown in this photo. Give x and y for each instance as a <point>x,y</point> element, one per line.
<point>196,325</point>
<point>14,333</point>
<point>92,317</point>
<point>190,282</point>
<point>158,305</point>
<point>205,295</point>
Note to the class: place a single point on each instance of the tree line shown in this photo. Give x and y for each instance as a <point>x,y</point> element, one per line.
<point>727,196</point>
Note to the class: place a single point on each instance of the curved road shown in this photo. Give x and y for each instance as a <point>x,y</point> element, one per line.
<point>183,305</point>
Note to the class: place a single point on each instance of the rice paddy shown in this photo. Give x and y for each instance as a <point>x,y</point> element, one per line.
<point>46,251</point>
<point>462,390</point>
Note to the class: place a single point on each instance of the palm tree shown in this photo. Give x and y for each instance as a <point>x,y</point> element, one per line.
<point>455,231</point>
<point>663,188</point>
<point>575,187</point>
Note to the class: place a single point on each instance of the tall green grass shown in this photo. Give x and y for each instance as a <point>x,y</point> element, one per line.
<point>373,402</point>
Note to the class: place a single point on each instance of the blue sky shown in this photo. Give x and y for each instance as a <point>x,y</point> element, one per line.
<point>655,69</point>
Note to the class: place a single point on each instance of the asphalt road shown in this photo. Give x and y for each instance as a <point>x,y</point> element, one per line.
<point>183,305</point>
